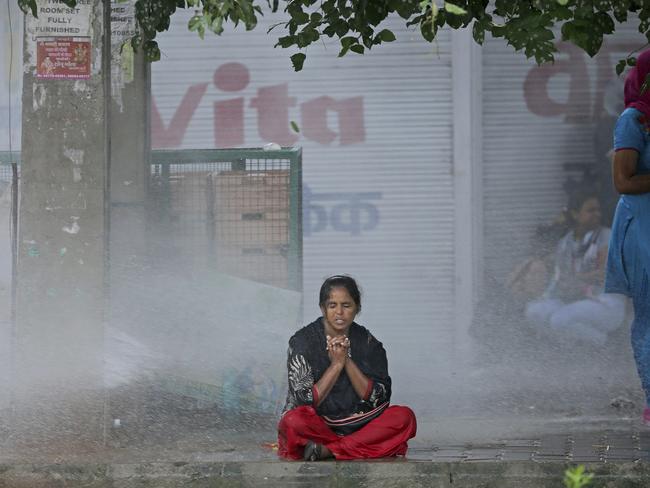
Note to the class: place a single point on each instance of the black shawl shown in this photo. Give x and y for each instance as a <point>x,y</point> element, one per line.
<point>307,361</point>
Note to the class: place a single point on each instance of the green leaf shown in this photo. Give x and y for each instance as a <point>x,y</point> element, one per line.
<point>299,17</point>
<point>217,25</point>
<point>151,51</point>
<point>478,32</point>
<point>286,41</point>
<point>28,6</point>
<point>194,23</point>
<point>136,41</point>
<point>357,48</point>
<point>582,34</point>
<point>298,60</point>
<point>375,13</point>
<point>341,27</point>
<point>347,41</point>
<point>644,25</point>
<point>386,36</point>
<point>576,477</point>
<point>505,8</point>
<point>294,127</point>
<point>604,22</point>
<point>454,9</point>
<point>297,14</point>
<point>345,11</point>
<point>428,30</point>
<point>620,11</point>
<point>562,2</point>
<point>310,35</point>
<point>302,40</point>
<point>455,21</point>
<point>404,9</point>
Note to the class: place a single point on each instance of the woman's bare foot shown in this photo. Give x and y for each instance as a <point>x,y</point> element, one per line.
<point>325,452</point>
<point>316,452</point>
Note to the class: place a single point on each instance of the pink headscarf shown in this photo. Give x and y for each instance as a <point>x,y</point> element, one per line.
<point>633,82</point>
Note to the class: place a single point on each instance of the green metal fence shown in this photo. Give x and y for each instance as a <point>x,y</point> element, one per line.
<point>238,211</point>
<point>6,158</point>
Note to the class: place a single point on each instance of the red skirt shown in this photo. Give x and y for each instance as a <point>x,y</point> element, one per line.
<point>384,436</point>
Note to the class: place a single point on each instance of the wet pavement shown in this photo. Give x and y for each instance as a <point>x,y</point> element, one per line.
<point>615,459</point>
<point>615,449</point>
<point>596,447</point>
<point>619,440</point>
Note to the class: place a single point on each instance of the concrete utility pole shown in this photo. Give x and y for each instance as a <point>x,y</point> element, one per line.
<point>60,307</point>
<point>130,140</point>
<point>129,176</point>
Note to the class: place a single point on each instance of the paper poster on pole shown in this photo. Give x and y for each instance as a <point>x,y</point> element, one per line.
<point>63,57</point>
<point>59,42</point>
<point>123,28</point>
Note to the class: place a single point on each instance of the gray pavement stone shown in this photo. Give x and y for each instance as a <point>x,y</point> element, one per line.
<point>395,473</point>
<point>619,457</point>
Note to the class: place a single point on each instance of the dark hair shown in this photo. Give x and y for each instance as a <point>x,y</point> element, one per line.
<point>579,195</point>
<point>340,281</point>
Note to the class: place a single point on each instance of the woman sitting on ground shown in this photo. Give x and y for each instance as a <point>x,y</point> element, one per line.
<point>574,303</point>
<point>339,388</point>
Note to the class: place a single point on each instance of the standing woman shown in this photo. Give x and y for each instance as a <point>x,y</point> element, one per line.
<point>628,260</point>
<point>339,388</point>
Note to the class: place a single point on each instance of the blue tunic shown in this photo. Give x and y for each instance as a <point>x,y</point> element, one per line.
<point>631,227</point>
<point>628,259</point>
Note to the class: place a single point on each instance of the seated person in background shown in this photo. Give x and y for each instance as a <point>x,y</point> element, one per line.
<point>339,388</point>
<point>574,302</point>
<point>529,279</point>
<point>498,316</point>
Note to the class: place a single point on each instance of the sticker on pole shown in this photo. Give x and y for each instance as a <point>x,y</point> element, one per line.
<point>63,57</point>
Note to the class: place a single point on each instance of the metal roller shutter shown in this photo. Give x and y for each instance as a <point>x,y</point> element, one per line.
<point>378,200</point>
<point>531,131</point>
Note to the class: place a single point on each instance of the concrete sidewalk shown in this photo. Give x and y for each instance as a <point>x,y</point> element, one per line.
<point>407,474</point>
<point>615,449</point>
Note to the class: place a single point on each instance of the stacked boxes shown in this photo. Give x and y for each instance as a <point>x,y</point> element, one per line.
<point>189,217</point>
<point>187,192</point>
<point>250,211</point>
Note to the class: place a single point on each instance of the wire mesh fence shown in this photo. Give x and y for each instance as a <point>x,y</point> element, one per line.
<point>235,211</point>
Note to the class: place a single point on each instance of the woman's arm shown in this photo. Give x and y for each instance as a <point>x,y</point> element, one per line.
<point>360,381</point>
<point>624,173</point>
<point>326,382</point>
<point>597,276</point>
<point>338,355</point>
<point>373,384</point>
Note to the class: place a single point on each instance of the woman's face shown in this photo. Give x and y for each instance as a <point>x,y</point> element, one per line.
<point>588,217</point>
<point>339,311</point>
